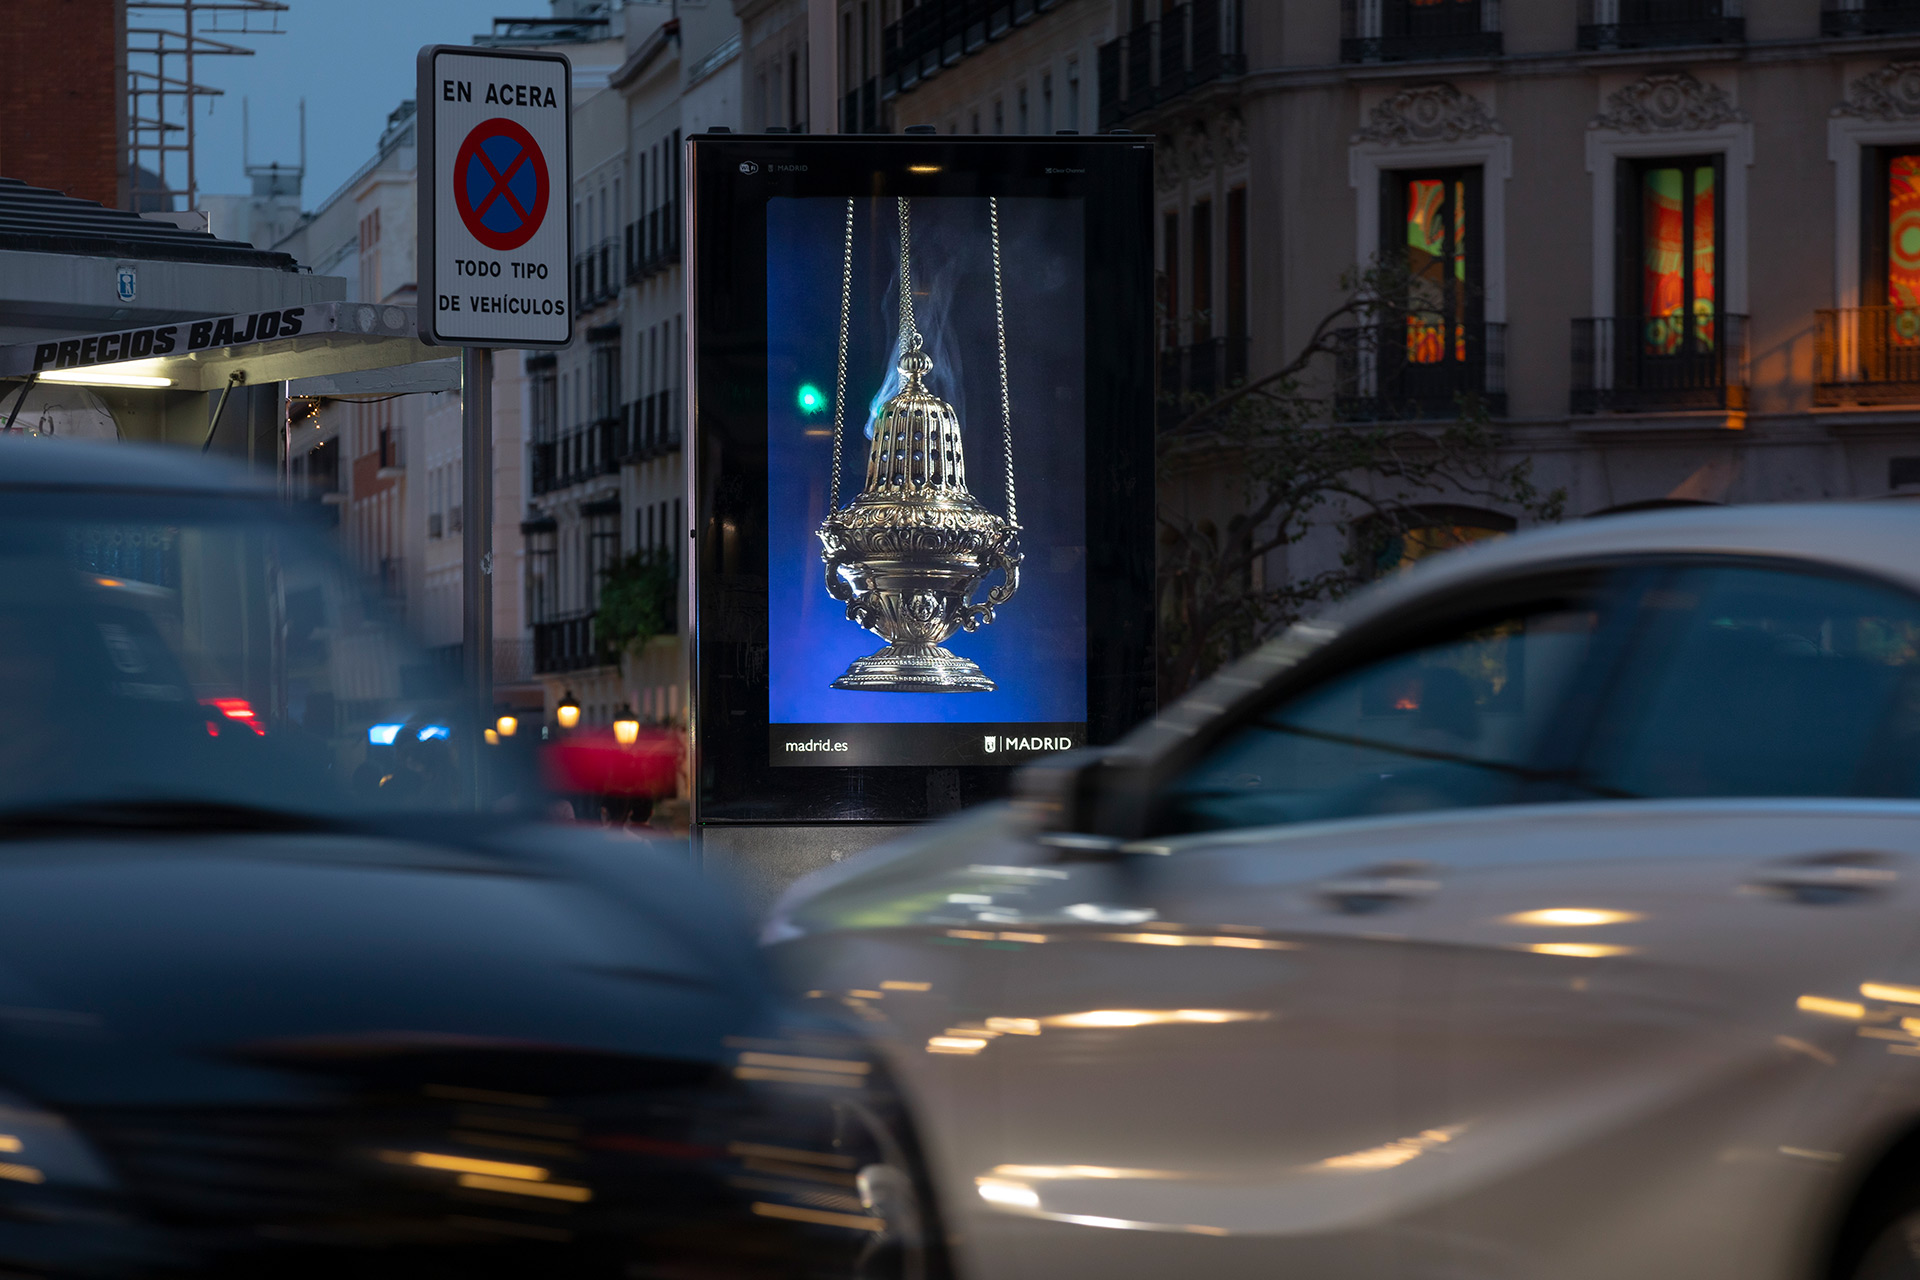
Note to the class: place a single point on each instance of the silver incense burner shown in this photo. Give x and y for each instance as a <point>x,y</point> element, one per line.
<point>908,555</point>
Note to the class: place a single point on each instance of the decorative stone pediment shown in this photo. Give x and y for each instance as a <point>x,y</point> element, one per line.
<point>1667,102</point>
<point>1197,147</point>
<point>1891,93</point>
<point>1427,113</point>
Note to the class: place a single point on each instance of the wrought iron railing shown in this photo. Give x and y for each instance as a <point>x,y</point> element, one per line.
<point>1866,355</point>
<point>937,33</point>
<point>566,644</point>
<point>1662,363</point>
<point>1642,24</point>
<point>648,428</point>
<point>1869,17</point>
<point>653,242</point>
<point>1419,369</point>
<point>1189,45</point>
<point>1408,30</point>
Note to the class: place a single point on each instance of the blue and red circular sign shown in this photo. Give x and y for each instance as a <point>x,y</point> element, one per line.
<point>500,184</point>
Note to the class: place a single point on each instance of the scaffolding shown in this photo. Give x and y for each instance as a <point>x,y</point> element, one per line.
<point>164,40</point>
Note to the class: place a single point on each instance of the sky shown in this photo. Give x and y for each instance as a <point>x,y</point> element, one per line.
<point>352,60</point>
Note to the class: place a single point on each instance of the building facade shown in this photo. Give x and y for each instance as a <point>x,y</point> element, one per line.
<point>389,460</point>
<point>607,482</point>
<point>1666,246</point>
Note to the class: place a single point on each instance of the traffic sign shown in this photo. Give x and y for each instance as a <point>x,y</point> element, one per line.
<point>495,143</point>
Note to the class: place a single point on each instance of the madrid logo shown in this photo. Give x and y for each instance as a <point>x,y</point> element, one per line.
<point>500,184</point>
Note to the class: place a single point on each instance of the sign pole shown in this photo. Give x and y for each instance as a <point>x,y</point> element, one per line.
<point>476,538</point>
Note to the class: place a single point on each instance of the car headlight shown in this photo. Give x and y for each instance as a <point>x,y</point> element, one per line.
<point>39,1148</point>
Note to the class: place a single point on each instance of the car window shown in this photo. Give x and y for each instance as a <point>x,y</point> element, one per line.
<point>183,650</point>
<point>1756,682</point>
<point>1466,718</point>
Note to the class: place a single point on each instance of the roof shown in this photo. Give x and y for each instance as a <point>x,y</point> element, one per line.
<point>37,220</point>
<point>36,462</point>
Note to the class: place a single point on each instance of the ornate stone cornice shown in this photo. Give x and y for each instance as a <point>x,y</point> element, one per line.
<point>1667,102</point>
<point>1428,113</point>
<point>1891,93</point>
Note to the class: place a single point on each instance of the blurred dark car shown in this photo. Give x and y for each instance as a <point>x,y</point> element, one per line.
<point>292,983</point>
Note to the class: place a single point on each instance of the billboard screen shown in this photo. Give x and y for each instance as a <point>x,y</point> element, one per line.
<point>892,651</point>
<point>921,553</point>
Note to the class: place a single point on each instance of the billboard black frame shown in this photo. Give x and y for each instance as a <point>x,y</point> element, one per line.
<point>731,179</point>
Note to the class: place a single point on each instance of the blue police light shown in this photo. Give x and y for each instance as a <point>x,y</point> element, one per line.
<point>382,735</point>
<point>428,732</point>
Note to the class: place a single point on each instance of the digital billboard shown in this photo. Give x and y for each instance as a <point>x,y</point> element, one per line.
<point>923,373</point>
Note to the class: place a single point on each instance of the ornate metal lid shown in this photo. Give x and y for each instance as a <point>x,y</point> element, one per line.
<point>915,451</point>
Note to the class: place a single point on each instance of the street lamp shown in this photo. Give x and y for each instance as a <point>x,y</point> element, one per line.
<point>626,726</point>
<point>506,726</point>
<point>568,712</point>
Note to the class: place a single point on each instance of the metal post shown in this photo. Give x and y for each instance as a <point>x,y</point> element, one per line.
<point>476,535</point>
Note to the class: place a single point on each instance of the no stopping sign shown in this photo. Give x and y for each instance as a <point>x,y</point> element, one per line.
<point>500,184</point>
<point>495,148</point>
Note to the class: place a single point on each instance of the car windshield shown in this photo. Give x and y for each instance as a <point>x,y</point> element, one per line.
<point>209,651</point>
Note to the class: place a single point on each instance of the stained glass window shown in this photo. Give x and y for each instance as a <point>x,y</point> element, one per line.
<point>1436,248</point>
<point>1903,248</point>
<point>1678,256</point>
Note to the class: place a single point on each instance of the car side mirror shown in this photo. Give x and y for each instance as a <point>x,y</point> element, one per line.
<point>1064,797</point>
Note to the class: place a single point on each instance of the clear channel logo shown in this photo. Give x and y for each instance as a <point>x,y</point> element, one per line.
<point>994,743</point>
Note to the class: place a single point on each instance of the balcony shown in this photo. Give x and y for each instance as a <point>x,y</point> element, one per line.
<point>653,243</point>
<point>1652,372</point>
<point>1198,372</point>
<point>1866,356</point>
<point>1412,31</point>
<point>938,33</point>
<point>649,429</point>
<point>594,281</point>
<point>1649,24</point>
<point>1396,372</point>
<point>577,456</point>
<point>1190,45</point>
<point>565,644</point>
<point>1869,17</point>
<point>860,110</point>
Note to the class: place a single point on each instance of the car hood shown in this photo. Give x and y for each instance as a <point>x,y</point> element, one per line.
<point>254,969</point>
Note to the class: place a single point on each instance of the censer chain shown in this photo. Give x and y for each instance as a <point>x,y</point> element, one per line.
<point>840,381</point>
<point>1000,324</point>
<point>908,331</point>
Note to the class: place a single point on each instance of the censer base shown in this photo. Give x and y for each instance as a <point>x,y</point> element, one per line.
<point>915,669</point>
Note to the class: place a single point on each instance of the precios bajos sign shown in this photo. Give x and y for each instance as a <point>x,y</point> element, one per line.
<point>168,339</point>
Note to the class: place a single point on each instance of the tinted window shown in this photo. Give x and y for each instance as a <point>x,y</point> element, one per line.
<point>1466,718</point>
<point>196,650</point>
<point>1752,682</point>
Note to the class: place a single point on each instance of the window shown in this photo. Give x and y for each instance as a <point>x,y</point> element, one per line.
<point>1021,108</point>
<point>1073,94</point>
<point>976,122</point>
<point>793,91</point>
<point>999,115</point>
<point>1202,286</point>
<point>1754,682</point>
<point>1409,536</point>
<point>1433,230</point>
<point>1046,102</point>
<point>1468,717</point>
<point>1892,243</point>
<point>1670,270</point>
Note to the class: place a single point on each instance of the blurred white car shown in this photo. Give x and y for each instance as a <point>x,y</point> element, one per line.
<point>1549,912</point>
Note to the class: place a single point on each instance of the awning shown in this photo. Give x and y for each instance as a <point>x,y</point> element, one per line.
<point>328,338</point>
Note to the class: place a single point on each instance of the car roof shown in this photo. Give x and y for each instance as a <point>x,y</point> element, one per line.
<point>36,462</point>
<point>1879,539</point>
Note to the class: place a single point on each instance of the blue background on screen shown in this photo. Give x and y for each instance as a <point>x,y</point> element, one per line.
<point>1035,651</point>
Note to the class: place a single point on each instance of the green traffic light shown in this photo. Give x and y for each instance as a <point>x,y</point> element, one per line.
<point>811,398</point>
